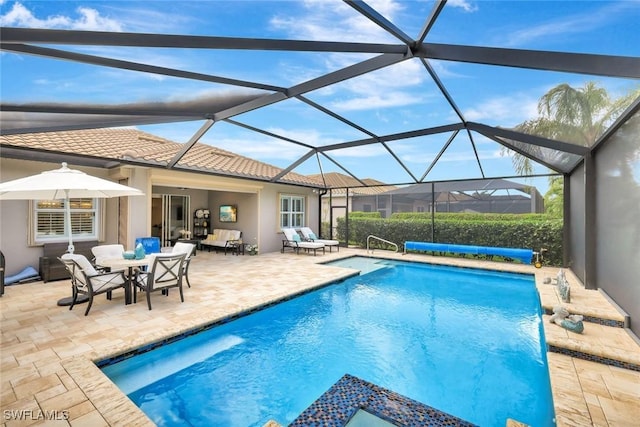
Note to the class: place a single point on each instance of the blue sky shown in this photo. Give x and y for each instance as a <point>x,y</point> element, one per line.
<point>398,98</point>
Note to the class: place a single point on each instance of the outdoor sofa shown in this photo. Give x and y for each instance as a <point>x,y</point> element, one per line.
<point>226,240</point>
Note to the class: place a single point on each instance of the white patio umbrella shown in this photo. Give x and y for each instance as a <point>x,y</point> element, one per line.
<point>64,183</point>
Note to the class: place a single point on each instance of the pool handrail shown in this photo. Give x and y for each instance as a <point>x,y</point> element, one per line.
<point>371,236</point>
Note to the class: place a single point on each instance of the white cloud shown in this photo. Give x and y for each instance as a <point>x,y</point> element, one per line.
<point>506,110</point>
<point>324,20</point>
<point>451,156</point>
<point>335,20</point>
<point>388,99</point>
<point>395,86</point>
<point>465,5</point>
<point>580,23</point>
<point>362,151</point>
<point>87,19</point>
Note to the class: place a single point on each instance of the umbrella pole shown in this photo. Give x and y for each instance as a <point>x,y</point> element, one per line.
<point>67,213</point>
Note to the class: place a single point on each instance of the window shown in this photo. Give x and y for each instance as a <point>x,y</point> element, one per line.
<point>49,220</point>
<point>291,211</point>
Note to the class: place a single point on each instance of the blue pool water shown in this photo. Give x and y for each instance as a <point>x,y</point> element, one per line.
<point>468,342</point>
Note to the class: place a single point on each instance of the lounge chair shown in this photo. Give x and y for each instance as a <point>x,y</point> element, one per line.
<point>310,236</point>
<point>294,241</point>
<point>165,272</point>
<point>86,280</point>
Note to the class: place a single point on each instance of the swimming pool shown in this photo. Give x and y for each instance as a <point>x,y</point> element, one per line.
<point>468,342</point>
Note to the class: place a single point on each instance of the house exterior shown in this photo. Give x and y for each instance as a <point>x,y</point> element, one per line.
<point>204,179</point>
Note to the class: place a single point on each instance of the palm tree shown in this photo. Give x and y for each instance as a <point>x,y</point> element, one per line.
<point>553,198</point>
<point>574,115</point>
<point>578,116</point>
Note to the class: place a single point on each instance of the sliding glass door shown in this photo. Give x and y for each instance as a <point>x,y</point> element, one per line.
<point>175,218</point>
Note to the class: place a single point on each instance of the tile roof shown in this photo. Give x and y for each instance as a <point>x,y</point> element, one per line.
<point>135,146</point>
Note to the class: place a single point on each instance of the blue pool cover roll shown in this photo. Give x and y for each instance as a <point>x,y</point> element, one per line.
<point>524,255</point>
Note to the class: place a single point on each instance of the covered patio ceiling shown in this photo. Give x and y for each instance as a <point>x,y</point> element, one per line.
<point>291,112</point>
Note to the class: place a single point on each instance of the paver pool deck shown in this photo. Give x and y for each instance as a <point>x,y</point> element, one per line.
<point>47,352</point>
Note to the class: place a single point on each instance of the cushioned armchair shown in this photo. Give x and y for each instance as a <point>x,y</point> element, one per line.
<point>165,271</point>
<point>188,249</point>
<point>86,280</point>
<point>102,252</point>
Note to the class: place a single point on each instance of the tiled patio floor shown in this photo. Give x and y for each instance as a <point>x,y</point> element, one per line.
<point>47,350</point>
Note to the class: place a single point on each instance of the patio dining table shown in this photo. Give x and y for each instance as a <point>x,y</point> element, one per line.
<point>121,263</point>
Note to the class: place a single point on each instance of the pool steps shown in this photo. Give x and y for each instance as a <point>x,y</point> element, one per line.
<point>600,322</point>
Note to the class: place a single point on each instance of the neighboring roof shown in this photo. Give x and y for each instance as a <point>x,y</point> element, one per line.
<point>465,185</point>
<point>131,146</point>
<point>338,182</point>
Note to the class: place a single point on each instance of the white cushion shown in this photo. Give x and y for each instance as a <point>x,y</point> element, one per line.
<point>288,233</point>
<point>110,280</point>
<point>107,251</point>
<point>82,262</point>
<point>183,248</point>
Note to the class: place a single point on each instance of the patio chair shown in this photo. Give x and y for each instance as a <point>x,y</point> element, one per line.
<point>164,272</point>
<point>86,280</point>
<point>294,241</point>
<point>310,236</point>
<point>103,252</point>
<point>188,249</point>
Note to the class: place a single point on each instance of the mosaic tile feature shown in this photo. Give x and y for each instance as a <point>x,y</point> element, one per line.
<point>593,358</point>
<point>350,394</point>
<point>593,319</point>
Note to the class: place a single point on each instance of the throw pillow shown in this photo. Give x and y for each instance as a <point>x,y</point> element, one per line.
<point>296,237</point>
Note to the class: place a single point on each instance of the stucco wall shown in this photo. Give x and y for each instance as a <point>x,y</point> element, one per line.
<point>270,239</point>
<point>14,215</point>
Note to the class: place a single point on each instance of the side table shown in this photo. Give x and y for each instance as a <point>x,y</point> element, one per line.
<point>236,247</point>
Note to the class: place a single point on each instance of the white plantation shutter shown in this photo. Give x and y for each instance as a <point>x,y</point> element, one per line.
<point>49,219</point>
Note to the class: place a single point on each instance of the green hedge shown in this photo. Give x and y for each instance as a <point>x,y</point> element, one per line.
<point>544,232</point>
